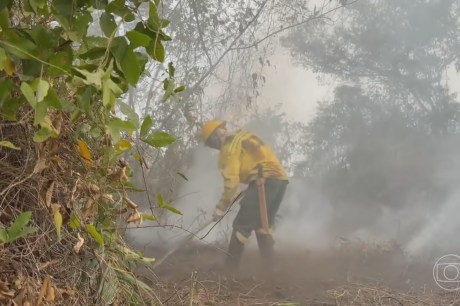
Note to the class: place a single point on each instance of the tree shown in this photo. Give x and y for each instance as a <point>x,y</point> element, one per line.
<point>381,143</point>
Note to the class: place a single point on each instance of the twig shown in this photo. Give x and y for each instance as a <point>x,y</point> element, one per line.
<point>393,298</point>
<point>192,288</point>
<point>237,198</point>
<point>211,69</point>
<point>200,32</point>
<point>252,289</point>
<point>294,25</point>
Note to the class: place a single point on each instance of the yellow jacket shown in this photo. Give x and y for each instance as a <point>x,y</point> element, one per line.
<point>239,158</point>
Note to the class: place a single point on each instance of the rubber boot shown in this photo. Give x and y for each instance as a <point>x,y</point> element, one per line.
<point>267,251</point>
<point>235,250</point>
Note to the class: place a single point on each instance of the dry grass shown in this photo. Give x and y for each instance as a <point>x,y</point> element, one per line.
<point>39,178</point>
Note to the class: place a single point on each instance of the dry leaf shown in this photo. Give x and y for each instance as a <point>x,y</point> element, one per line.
<point>5,291</point>
<point>40,165</point>
<point>72,194</point>
<point>19,281</point>
<point>130,203</point>
<point>43,290</point>
<point>49,194</point>
<point>26,303</point>
<point>85,153</point>
<point>93,188</point>
<point>79,243</point>
<point>118,175</point>
<point>19,299</point>
<point>8,66</point>
<point>108,197</point>
<point>89,208</point>
<point>44,265</point>
<point>50,294</point>
<point>135,217</point>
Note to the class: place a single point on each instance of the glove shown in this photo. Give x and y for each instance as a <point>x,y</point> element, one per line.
<point>217,214</point>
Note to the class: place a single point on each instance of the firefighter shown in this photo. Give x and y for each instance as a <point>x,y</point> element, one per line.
<point>242,156</point>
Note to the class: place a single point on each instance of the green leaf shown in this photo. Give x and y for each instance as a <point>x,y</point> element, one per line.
<point>110,93</point>
<point>74,221</point>
<point>20,43</point>
<point>93,53</point>
<point>124,145</point>
<point>26,231</point>
<point>41,135</point>
<point>130,67</point>
<point>79,25</point>
<point>42,89</point>
<point>159,139</point>
<point>91,229</point>
<point>40,112</point>
<point>138,39</point>
<point>18,226</point>
<point>63,7</point>
<point>6,86</point>
<point>171,70</point>
<point>173,209</point>
<point>61,59</point>
<point>36,4</point>
<point>182,176</point>
<point>164,23</point>
<point>8,144</point>
<point>7,4</point>
<point>58,223</point>
<point>148,217</point>
<point>29,94</point>
<point>3,235</point>
<point>10,109</point>
<point>2,58</point>
<point>48,125</point>
<point>156,50</point>
<point>142,59</point>
<point>160,201</point>
<point>4,18</point>
<point>117,125</point>
<point>91,78</point>
<point>168,86</point>
<point>129,112</point>
<point>146,125</point>
<point>52,99</point>
<point>119,47</point>
<point>152,9</point>
<point>107,24</point>
<point>179,88</point>
<point>32,68</point>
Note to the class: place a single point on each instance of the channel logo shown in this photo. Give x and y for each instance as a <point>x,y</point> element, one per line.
<point>446,272</point>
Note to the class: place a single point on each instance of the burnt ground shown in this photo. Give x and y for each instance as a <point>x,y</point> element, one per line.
<point>351,274</point>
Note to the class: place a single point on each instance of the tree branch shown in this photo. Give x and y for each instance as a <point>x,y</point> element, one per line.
<point>211,69</point>
<point>200,33</point>
<point>321,16</point>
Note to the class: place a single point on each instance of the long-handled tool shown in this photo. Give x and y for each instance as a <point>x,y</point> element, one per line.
<point>179,245</point>
<point>262,200</point>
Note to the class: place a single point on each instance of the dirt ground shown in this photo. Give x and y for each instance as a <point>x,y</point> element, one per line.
<point>353,273</point>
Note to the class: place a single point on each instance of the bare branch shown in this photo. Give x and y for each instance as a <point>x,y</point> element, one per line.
<point>200,33</point>
<point>320,16</point>
<point>211,69</point>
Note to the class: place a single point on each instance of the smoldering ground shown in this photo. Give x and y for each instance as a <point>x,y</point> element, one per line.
<point>319,243</point>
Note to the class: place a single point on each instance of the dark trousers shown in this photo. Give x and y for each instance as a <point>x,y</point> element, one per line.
<point>248,220</point>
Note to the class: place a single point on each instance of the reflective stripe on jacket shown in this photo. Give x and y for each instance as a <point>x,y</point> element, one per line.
<point>239,157</point>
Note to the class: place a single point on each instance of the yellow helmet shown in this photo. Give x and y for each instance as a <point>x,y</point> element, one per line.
<point>209,127</point>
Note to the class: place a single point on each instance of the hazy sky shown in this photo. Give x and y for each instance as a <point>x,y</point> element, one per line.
<point>296,88</point>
